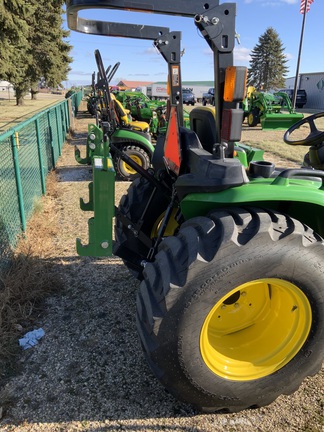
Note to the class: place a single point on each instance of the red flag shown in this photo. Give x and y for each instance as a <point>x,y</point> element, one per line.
<point>302,5</point>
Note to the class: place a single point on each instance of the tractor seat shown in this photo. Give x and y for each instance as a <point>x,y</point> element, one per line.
<point>202,121</point>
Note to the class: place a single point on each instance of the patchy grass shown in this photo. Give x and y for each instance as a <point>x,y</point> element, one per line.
<point>28,279</point>
<point>25,284</point>
<point>272,140</point>
<point>294,154</point>
<point>11,114</point>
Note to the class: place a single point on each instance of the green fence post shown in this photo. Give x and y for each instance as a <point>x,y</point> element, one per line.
<point>62,127</point>
<point>66,123</point>
<point>40,156</point>
<point>67,116</point>
<point>59,130</point>
<point>14,139</point>
<point>51,137</point>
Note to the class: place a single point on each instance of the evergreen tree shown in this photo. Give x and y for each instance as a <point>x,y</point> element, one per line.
<point>14,31</point>
<point>47,45</point>
<point>32,44</point>
<point>268,64</point>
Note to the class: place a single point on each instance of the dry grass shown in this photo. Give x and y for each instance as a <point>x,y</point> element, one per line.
<point>272,140</point>
<point>27,282</point>
<point>294,154</point>
<point>11,114</point>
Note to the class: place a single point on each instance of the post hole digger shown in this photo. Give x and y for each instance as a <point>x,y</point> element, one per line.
<point>229,249</point>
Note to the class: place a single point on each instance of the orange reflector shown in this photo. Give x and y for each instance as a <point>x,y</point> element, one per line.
<point>235,83</point>
<point>172,155</point>
<point>168,85</point>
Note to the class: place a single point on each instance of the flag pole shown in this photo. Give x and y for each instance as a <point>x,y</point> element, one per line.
<point>299,55</point>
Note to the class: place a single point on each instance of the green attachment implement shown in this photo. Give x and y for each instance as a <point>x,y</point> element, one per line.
<point>279,113</point>
<point>281,121</point>
<point>94,145</point>
<point>102,203</point>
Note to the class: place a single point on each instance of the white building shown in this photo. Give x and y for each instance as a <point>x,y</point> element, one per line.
<point>5,86</point>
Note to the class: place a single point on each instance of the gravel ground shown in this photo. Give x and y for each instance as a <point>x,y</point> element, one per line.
<point>88,372</point>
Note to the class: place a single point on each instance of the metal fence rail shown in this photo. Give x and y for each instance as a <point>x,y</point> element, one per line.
<point>28,152</point>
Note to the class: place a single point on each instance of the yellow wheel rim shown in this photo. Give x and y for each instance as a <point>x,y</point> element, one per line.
<point>250,118</point>
<point>171,226</point>
<point>255,329</point>
<point>129,170</point>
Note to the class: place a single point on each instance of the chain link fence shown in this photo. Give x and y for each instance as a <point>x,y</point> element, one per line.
<point>28,152</point>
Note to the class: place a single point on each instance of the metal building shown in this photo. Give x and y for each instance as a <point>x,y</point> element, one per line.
<point>313,83</point>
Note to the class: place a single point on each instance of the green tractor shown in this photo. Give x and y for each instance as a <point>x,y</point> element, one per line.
<point>130,100</point>
<point>131,137</point>
<point>271,110</point>
<point>228,248</point>
<point>143,108</point>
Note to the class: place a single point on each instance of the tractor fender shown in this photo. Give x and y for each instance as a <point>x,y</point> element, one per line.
<point>301,198</point>
<point>122,136</point>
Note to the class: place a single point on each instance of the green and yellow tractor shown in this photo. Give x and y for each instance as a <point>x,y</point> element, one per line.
<point>142,108</point>
<point>228,247</point>
<point>130,136</point>
<point>271,110</point>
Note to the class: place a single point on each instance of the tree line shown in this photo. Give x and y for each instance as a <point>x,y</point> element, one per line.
<point>33,45</point>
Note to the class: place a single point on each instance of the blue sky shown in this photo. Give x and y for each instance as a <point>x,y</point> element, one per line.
<point>139,60</point>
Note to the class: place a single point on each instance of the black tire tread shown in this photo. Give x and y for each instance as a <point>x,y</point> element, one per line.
<point>117,162</point>
<point>131,206</point>
<point>199,240</point>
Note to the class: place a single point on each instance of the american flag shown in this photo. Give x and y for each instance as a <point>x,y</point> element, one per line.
<point>302,5</point>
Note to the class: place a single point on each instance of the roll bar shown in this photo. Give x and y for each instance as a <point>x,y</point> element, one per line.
<point>184,8</point>
<point>216,23</point>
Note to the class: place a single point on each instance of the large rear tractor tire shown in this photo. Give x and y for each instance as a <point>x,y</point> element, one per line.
<point>132,206</point>
<point>230,314</point>
<point>138,155</point>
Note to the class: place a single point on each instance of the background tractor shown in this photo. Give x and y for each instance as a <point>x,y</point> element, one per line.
<point>272,110</point>
<point>131,137</point>
<point>228,247</point>
<point>144,109</point>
